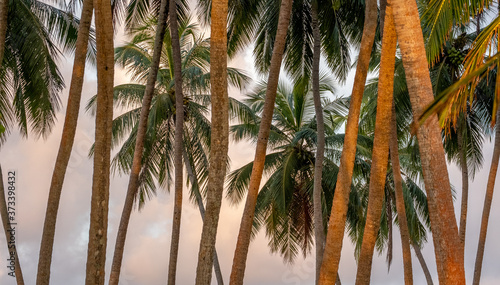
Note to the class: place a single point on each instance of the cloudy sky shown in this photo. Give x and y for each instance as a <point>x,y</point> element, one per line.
<point>148,241</point>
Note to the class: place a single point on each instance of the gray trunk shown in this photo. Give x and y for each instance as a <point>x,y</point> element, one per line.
<point>422,262</point>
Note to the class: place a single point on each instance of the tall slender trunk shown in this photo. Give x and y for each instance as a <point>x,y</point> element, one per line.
<point>243,242</point>
<point>219,140</point>
<point>462,152</point>
<point>400,202</point>
<point>422,262</point>
<point>490,188</point>
<point>196,189</point>
<point>96,254</point>
<point>319,231</point>
<point>336,224</point>
<point>179,123</point>
<point>380,153</point>
<point>9,235</point>
<point>133,184</point>
<point>4,14</point>
<point>449,260</point>
<point>66,145</point>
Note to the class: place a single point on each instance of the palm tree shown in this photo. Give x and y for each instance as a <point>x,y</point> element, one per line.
<point>96,254</point>
<point>450,263</point>
<point>380,148</point>
<point>336,226</point>
<point>219,139</point>
<point>155,163</point>
<point>4,14</point>
<point>244,235</point>
<point>66,145</point>
<point>139,146</point>
<point>178,149</point>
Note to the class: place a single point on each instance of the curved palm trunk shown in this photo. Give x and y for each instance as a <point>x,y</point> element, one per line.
<point>96,254</point>
<point>243,242</point>
<point>196,189</point>
<point>422,262</point>
<point>219,140</point>
<point>66,145</point>
<point>490,188</point>
<point>9,238</point>
<point>179,123</point>
<point>400,202</point>
<point>133,184</point>
<point>319,231</point>
<point>449,260</point>
<point>4,14</point>
<point>380,149</point>
<point>336,225</point>
<point>462,151</point>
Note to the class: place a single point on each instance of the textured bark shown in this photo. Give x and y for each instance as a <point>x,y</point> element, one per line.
<point>243,242</point>
<point>336,224</point>
<point>4,14</point>
<point>66,145</point>
<point>490,188</point>
<point>179,123</point>
<point>449,260</point>
<point>319,231</point>
<point>380,153</point>
<point>199,200</point>
<point>462,152</point>
<point>96,254</point>
<point>133,184</point>
<point>400,202</point>
<point>11,245</point>
<point>219,140</point>
<point>423,264</point>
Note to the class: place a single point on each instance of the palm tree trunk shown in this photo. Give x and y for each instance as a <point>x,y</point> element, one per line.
<point>400,202</point>
<point>490,188</point>
<point>243,242</point>
<point>66,145</point>
<point>450,262</point>
<point>380,153</point>
<point>196,190</point>
<point>336,225</point>
<point>319,231</point>
<point>219,140</point>
<point>133,184</point>
<point>462,152</point>
<point>422,262</point>
<point>4,14</point>
<point>9,237</point>
<point>179,123</point>
<point>96,254</point>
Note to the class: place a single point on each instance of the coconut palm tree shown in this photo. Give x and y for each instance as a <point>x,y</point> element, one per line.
<point>135,56</point>
<point>96,253</point>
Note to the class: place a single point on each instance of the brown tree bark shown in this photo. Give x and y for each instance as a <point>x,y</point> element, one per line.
<point>96,254</point>
<point>462,152</point>
<point>243,242</point>
<point>219,140</point>
<point>449,260</point>
<point>336,225</point>
<point>319,231</point>
<point>380,153</point>
<point>199,200</point>
<point>133,184</point>
<point>66,145</point>
<point>490,188</point>
<point>9,236</point>
<point>179,123</point>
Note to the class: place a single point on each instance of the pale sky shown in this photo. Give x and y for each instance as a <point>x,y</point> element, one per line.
<point>148,241</point>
